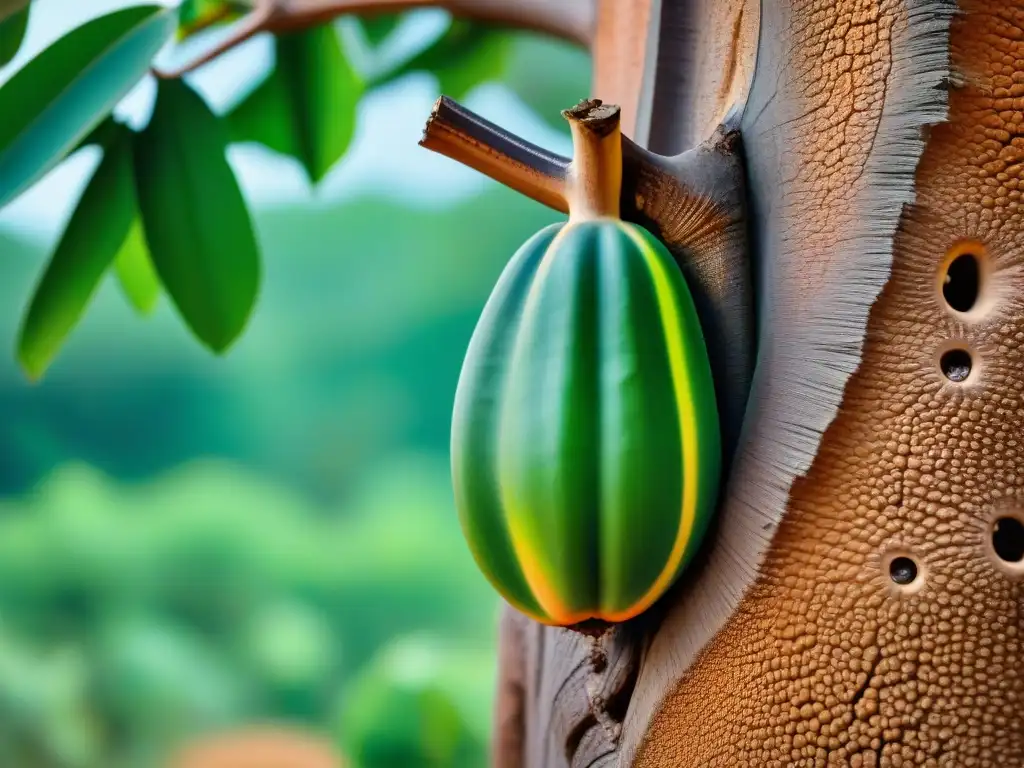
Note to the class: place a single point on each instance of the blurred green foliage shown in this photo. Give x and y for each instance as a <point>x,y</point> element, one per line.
<point>136,616</point>
<point>56,100</point>
<point>419,704</point>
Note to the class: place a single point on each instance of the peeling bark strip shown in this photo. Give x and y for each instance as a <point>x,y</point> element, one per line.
<point>885,627</point>
<point>832,132</point>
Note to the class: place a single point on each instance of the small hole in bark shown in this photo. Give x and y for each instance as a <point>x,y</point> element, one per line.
<point>903,570</point>
<point>962,282</point>
<point>1008,539</point>
<point>956,364</point>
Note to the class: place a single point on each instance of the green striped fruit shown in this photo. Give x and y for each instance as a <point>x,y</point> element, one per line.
<point>585,438</point>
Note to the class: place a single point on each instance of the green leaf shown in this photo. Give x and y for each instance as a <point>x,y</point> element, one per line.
<point>264,117</point>
<point>135,272</point>
<point>376,29</point>
<point>94,234</point>
<point>197,226</point>
<point>306,107</point>
<point>12,32</point>
<point>467,54</point>
<point>107,130</point>
<point>56,99</point>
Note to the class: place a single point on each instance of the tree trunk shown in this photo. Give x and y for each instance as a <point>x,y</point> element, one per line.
<point>860,602</point>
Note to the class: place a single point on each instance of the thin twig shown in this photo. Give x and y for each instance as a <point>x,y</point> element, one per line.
<point>253,23</point>
<point>464,136</point>
<point>569,19</point>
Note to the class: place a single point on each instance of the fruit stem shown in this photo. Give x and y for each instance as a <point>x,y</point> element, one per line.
<point>595,174</point>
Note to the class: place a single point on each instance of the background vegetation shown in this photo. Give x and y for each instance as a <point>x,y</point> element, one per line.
<point>191,543</point>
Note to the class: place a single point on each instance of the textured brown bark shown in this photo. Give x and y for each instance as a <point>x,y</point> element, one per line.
<point>827,661</point>
<point>881,139</point>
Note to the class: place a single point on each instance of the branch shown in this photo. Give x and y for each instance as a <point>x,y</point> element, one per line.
<point>569,19</point>
<point>465,137</point>
<point>260,19</point>
<point>11,7</point>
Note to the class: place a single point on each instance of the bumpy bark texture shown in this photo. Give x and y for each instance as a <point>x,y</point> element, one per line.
<point>830,659</point>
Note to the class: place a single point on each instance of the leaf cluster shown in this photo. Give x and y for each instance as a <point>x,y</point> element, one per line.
<point>163,210</point>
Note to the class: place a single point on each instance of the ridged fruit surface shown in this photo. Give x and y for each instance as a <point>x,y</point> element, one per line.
<point>585,439</point>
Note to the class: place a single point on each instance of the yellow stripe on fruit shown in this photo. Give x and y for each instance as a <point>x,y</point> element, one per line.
<point>674,342</point>
<point>556,612</point>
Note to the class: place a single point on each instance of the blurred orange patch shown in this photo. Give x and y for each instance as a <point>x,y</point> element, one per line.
<point>263,747</point>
